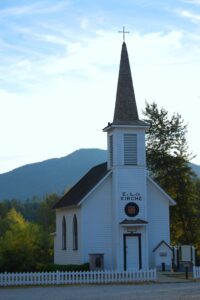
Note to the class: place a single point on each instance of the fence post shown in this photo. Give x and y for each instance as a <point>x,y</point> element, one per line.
<point>57,277</point>
<point>8,279</point>
<point>5,279</point>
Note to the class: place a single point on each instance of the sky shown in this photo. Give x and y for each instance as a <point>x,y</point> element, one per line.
<point>59,62</point>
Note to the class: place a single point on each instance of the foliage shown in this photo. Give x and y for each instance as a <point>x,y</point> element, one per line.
<point>167,161</point>
<point>166,142</point>
<point>45,214</point>
<point>53,267</point>
<point>25,233</point>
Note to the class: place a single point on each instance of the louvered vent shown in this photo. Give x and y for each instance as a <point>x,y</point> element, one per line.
<point>130,149</point>
<point>111,150</point>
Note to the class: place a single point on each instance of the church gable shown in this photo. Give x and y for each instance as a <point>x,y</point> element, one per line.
<point>158,192</point>
<point>83,186</point>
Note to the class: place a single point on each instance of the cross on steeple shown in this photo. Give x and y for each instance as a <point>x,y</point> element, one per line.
<point>124,32</point>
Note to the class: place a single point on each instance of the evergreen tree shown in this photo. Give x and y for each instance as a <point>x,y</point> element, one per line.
<point>167,162</point>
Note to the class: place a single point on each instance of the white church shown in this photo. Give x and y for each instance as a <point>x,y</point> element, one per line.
<point>116,217</point>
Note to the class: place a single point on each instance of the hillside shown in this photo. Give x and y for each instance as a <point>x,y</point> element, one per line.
<point>52,175</point>
<point>196,169</point>
<point>49,176</point>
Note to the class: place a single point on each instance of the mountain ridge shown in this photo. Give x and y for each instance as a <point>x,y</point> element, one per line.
<point>49,176</point>
<point>54,175</point>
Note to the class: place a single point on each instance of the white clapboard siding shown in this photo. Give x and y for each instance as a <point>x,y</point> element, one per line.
<point>53,278</point>
<point>158,214</point>
<point>96,221</point>
<point>69,255</point>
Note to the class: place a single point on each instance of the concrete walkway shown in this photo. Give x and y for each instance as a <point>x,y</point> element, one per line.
<point>170,277</point>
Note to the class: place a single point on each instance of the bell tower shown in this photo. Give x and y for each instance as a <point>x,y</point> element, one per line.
<point>126,144</point>
<point>127,160</point>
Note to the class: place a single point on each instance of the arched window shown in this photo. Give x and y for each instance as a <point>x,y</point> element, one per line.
<point>75,233</point>
<point>64,234</point>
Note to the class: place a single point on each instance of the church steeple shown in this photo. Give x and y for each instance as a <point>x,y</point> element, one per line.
<point>126,134</point>
<point>125,105</point>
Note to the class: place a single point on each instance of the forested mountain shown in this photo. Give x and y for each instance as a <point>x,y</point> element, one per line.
<point>53,175</point>
<point>195,168</point>
<point>49,176</point>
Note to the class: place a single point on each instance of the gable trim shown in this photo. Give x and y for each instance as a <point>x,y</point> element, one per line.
<point>162,242</point>
<point>82,187</point>
<point>171,201</point>
<point>93,189</point>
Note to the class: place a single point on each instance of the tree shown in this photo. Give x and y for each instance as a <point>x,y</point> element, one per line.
<point>166,141</point>
<point>45,215</point>
<point>22,244</point>
<point>167,161</point>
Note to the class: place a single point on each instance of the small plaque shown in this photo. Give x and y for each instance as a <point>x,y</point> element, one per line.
<point>163,253</point>
<point>132,229</point>
<point>186,264</point>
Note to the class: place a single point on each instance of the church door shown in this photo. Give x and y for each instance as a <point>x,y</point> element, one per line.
<point>132,252</point>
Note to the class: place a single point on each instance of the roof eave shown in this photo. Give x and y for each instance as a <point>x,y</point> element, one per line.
<point>171,201</point>
<point>112,126</point>
<point>65,206</point>
<point>159,244</point>
<point>94,188</point>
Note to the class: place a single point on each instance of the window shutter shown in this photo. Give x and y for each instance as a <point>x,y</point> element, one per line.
<point>130,149</point>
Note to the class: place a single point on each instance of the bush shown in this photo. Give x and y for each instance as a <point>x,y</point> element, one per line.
<point>53,267</point>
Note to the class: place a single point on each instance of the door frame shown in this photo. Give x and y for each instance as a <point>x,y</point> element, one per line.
<point>138,235</point>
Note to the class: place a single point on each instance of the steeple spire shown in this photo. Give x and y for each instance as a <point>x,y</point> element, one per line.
<point>125,106</point>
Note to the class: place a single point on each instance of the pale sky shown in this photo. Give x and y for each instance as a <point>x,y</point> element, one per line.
<point>59,64</point>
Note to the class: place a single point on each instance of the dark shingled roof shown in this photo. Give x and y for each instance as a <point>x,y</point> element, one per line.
<point>83,186</point>
<point>125,106</point>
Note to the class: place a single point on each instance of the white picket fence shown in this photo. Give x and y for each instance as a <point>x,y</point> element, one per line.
<point>54,278</point>
<point>196,272</point>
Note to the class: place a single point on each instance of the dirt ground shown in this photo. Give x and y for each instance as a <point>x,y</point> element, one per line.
<point>183,291</point>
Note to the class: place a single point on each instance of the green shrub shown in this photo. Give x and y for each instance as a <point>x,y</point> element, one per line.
<point>53,267</point>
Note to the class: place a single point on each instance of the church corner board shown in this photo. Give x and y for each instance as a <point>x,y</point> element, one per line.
<point>116,217</point>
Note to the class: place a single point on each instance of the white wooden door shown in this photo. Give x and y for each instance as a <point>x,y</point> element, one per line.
<point>132,253</point>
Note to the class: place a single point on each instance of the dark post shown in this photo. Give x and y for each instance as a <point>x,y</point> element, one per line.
<point>186,273</point>
<point>163,267</point>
